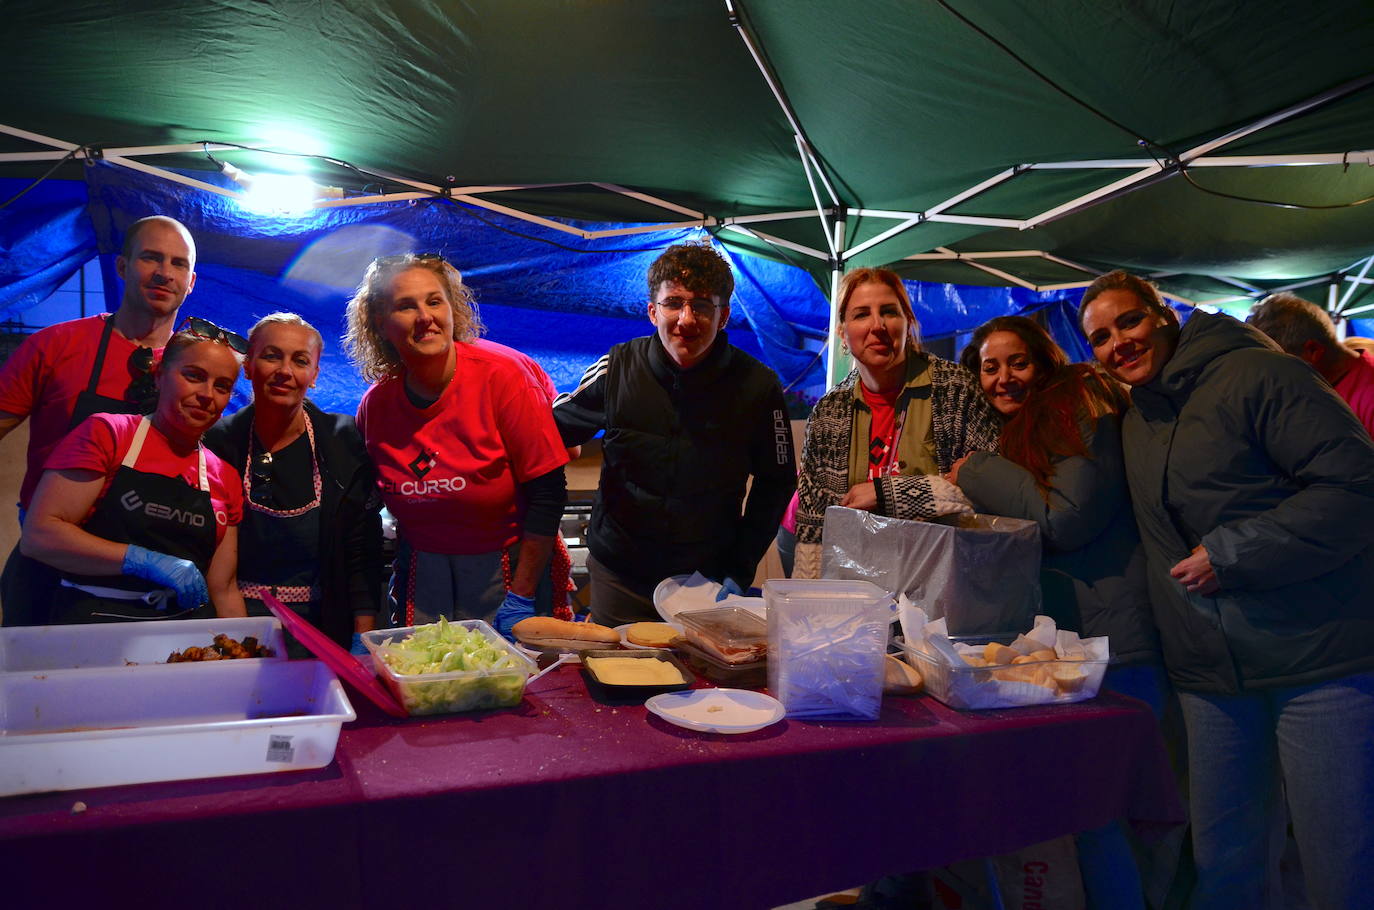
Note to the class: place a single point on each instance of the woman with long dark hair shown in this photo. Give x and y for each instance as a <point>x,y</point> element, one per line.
<point>1058,463</point>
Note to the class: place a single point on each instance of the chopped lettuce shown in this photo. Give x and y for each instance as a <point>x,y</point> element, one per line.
<point>497,680</point>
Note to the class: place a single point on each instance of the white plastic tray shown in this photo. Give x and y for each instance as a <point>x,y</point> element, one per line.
<point>30,648</point>
<point>102,727</point>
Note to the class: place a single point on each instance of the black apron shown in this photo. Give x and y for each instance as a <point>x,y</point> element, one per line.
<point>88,401</point>
<point>279,548</point>
<point>159,513</point>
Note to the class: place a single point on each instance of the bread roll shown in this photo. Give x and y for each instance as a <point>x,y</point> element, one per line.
<point>1044,654</point>
<point>994,653</point>
<point>651,634</point>
<point>1036,675</point>
<point>547,632</point>
<point>1068,678</point>
<point>900,678</point>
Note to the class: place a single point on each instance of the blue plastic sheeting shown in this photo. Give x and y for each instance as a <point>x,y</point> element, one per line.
<point>559,298</point>
<point>45,237</point>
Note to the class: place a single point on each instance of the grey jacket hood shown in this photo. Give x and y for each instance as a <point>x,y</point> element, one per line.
<point>1204,338</point>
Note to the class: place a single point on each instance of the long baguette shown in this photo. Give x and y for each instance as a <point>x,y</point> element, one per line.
<point>547,632</point>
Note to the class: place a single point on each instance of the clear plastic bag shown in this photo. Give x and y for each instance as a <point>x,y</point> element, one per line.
<point>980,572</point>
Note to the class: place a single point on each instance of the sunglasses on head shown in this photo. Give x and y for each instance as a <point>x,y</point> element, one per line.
<point>383,261</point>
<point>142,390</point>
<point>204,328</point>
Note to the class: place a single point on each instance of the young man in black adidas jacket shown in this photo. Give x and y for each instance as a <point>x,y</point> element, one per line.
<point>688,420</point>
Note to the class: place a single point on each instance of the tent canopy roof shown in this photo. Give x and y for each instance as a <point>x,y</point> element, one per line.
<point>904,107</point>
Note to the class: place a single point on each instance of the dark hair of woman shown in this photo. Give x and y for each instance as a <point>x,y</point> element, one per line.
<point>1062,394</point>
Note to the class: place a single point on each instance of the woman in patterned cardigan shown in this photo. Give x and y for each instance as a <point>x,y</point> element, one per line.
<point>880,439</point>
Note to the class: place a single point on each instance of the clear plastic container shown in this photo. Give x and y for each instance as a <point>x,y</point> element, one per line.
<point>751,675</point>
<point>123,644</point>
<point>71,729</point>
<point>826,641</point>
<point>731,634</point>
<point>451,693</point>
<point>1006,685</point>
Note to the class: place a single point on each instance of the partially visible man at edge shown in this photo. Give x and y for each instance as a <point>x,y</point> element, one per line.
<point>1304,330</point>
<point>66,372</point>
<point>689,419</point>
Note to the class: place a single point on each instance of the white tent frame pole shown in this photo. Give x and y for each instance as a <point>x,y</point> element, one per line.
<point>647,228</point>
<point>1324,158</point>
<point>836,277</point>
<point>1088,199</point>
<point>1235,282</point>
<point>989,254</point>
<point>826,226</point>
<point>368,200</point>
<point>769,216</point>
<point>1005,276</point>
<point>1305,283</point>
<point>38,138</point>
<point>165,174</point>
<point>1350,291</point>
<point>1354,85</point>
<point>516,213</point>
<point>777,241</point>
<point>1362,308</point>
<point>974,190</point>
<point>798,133</point>
<point>652,200</point>
<point>927,216</point>
<point>1069,263</point>
<point>976,219</point>
<point>1198,151</point>
<point>879,238</point>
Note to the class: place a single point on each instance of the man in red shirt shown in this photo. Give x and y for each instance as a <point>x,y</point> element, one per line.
<point>66,372</point>
<point>1304,330</point>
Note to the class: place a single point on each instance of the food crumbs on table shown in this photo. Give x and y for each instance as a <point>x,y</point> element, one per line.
<point>78,807</point>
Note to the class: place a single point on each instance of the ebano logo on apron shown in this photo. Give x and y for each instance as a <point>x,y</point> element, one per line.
<point>134,503</point>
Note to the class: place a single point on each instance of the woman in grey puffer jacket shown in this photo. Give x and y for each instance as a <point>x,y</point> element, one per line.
<point>1253,488</point>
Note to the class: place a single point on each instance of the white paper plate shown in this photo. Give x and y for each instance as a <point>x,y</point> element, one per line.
<point>717,710</point>
<point>629,644</point>
<point>687,593</point>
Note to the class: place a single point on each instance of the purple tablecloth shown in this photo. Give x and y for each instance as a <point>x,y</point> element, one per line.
<point>564,802</point>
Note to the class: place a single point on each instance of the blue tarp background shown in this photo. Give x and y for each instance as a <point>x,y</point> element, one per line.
<point>557,297</point>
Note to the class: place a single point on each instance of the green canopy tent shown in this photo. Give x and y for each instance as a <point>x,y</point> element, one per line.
<point>971,141</point>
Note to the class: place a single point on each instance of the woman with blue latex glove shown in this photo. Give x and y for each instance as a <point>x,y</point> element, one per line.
<point>468,458</point>
<point>312,529</point>
<point>137,517</point>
